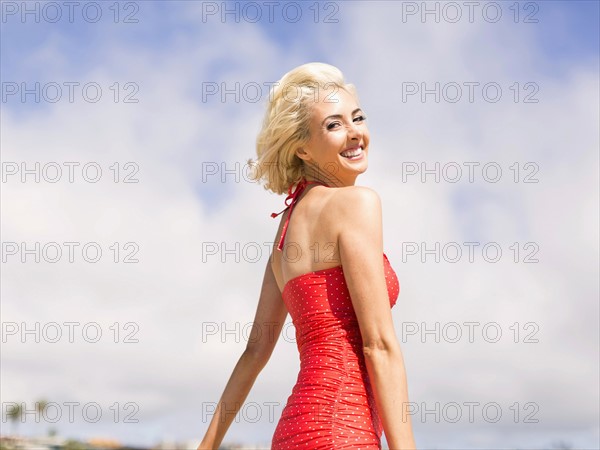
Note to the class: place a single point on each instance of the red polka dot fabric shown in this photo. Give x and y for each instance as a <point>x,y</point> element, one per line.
<point>332,404</point>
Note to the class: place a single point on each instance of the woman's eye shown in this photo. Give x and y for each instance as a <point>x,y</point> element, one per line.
<point>332,125</point>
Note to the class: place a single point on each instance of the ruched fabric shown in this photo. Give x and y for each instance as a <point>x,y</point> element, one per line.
<point>332,404</point>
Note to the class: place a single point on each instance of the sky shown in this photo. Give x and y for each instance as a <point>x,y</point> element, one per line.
<point>133,244</point>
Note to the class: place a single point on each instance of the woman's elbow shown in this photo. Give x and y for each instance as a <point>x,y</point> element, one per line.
<point>258,354</point>
<point>376,347</point>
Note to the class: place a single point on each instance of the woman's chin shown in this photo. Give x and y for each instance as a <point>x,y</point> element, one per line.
<point>358,165</point>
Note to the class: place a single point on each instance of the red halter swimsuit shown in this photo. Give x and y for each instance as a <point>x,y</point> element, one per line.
<point>331,406</point>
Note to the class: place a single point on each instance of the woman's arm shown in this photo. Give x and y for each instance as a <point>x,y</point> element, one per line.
<point>266,328</point>
<point>360,239</point>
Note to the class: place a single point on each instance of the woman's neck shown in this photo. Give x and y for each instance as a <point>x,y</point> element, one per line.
<point>328,178</point>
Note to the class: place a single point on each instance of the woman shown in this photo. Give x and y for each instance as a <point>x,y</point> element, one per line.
<point>328,270</point>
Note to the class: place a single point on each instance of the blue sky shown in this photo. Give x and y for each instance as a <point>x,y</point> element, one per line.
<point>566,31</point>
<point>173,136</point>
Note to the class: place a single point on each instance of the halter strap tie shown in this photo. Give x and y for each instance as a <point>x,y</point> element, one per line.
<point>293,196</point>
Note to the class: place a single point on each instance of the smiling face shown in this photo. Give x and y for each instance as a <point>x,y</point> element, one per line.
<point>337,150</point>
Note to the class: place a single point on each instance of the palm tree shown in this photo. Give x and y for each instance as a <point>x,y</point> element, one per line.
<point>40,407</point>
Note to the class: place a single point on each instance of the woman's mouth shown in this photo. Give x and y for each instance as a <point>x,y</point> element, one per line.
<point>353,153</point>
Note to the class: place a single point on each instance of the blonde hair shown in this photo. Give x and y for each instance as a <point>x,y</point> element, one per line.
<point>286,123</point>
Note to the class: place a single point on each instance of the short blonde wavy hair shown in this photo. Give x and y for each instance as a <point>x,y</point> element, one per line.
<point>286,123</point>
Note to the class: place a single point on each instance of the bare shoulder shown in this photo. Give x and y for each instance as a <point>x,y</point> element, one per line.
<point>350,202</point>
<point>353,210</point>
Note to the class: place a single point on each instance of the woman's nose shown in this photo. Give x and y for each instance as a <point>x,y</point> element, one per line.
<point>354,131</point>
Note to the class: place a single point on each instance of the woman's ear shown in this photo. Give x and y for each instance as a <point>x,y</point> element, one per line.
<point>302,154</point>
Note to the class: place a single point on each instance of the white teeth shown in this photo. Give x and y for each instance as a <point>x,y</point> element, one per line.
<point>352,153</point>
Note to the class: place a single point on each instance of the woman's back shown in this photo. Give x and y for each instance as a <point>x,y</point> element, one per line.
<point>309,241</point>
<point>332,403</point>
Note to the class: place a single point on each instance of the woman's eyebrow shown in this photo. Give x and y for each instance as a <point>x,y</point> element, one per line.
<point>339,116</point>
